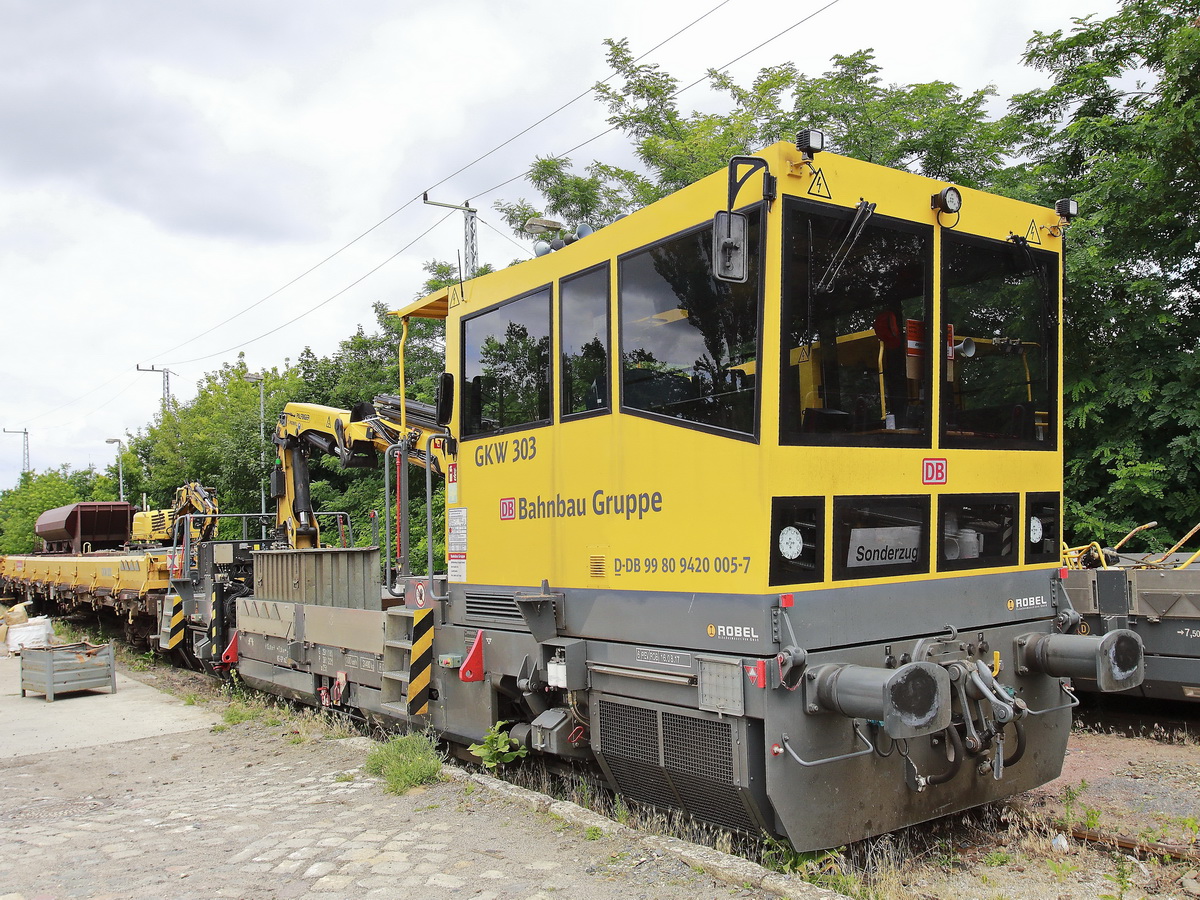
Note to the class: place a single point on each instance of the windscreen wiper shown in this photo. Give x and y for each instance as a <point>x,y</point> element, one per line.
<point>862,213</point>
<point>1039,274</point>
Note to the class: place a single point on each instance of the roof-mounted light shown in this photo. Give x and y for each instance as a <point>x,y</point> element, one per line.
<point>810,142</point>
<point>948,199</point>
<point>1066,209</point>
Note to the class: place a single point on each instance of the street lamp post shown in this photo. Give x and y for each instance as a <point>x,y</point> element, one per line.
<point>257,378</point>
<point>120,466</point>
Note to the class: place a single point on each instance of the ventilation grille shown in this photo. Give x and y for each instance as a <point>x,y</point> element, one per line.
<point>598,566</point>
<point>674,760</point>
<point>494,607</point>
<point>698,747</point>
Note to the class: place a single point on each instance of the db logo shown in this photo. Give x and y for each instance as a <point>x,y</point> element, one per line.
<point>712,630</point>
<point>933,471</point>
<point>508,508</point>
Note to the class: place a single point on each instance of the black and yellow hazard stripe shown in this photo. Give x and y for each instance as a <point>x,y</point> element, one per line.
<point>176,621</point>
<point>420,665</point>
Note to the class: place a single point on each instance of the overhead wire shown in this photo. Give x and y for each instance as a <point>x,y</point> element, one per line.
<point>515,177</point>
<point>327,300</point>
<point>688,87</point>
<point>437,184</point>
<point>507,237</point>
<point>442,181</point>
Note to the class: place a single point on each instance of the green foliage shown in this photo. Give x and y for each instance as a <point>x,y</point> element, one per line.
<point>214,439</point>
<point>498,747</point>
<point>1060,869</point>
<point>1071,794</point>
<point>404,762</point>
<point>821,867</point>
<point>1116,130</point>
<point>1122,878</point>
<point>929,128</point>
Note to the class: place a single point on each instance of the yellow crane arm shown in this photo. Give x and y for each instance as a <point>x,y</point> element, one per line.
<point>355,437</point>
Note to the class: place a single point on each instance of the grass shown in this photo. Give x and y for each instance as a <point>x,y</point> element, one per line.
<point>405,761</point>
<point>997,858</point>
<point>239,711</point>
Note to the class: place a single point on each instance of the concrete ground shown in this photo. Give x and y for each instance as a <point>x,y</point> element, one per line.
<point>139,795</point>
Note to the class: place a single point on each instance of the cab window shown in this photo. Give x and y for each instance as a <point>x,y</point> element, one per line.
<point>689,343</point>
<point>583,305</point>
<point>506,365</point>
<point>1000,364</point>
<point>856,300</point>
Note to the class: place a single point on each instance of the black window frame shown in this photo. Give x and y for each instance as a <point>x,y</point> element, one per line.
<point>548,288</point>
<point>1053,352</point>
<point>759,211</point>
<point>797,437</point>
<point>980,562</point>
<point>607,408</point>
<point>785,511</point>
<point>842,571</point>
<point>1054,553</point>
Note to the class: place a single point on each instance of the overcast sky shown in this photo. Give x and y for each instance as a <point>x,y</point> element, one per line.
<point>164,166</point>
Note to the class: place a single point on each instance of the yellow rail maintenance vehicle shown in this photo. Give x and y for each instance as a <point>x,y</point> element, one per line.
<point>759,511</point>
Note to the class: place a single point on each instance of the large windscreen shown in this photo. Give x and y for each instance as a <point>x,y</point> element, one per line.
<point>999,311</point>
<point>856,299</point>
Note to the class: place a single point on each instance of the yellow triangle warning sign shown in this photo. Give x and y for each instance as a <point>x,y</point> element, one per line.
<point>1032,234</point>
<point>819,186</point>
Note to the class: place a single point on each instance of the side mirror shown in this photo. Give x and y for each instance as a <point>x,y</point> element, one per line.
<point>445,398</point>
<point>729,246</point>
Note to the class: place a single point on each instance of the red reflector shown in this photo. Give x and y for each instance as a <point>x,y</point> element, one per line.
<point>1062,574</point>
<point>787,600</point>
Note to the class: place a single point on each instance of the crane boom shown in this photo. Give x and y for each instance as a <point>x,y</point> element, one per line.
<point>355,437</point>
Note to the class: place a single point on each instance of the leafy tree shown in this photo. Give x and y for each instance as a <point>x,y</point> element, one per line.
<point>214,439</point>
<point>933,129</point>
<point>1117,130</point>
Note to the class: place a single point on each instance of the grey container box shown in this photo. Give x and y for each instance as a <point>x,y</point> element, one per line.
<point>68,667</point>
<point>340,578</point>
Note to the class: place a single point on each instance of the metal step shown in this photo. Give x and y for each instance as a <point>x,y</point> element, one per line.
<point>399,710</point>
<point>400,675</point>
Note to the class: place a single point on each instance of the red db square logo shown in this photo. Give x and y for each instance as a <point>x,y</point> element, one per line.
<point>508,508</point>
<point>933,471</point>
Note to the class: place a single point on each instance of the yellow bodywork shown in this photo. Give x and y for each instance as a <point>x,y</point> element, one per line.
<point>120,575</point>
<point>676,477</point>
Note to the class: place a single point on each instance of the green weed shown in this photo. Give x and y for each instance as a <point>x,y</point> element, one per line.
<point>238,712</point>
<point>1122,878</point>
<point>498,747</point>
<point>1060,869</point>
<point>997,858</point>
<point>404,762</point>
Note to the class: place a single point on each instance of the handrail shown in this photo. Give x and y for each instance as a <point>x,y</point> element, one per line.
<point>829,759</point>
<point>1074,702</point>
